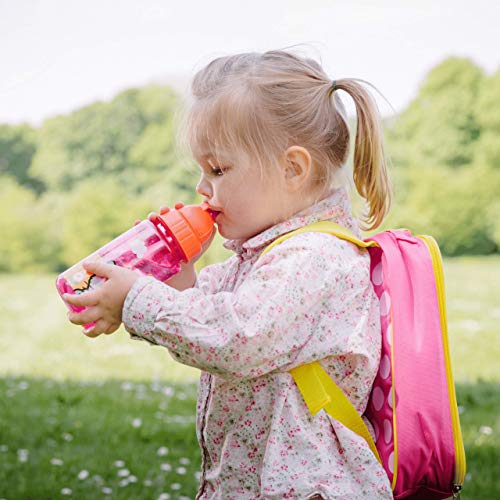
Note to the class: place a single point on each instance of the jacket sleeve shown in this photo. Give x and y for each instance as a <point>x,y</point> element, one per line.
<point>211,278</point>
<point>293,307</point>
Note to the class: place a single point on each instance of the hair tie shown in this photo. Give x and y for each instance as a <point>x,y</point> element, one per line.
<point>334,85</point>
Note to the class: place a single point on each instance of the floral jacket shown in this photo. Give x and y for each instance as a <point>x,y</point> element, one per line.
<point>244,325</point>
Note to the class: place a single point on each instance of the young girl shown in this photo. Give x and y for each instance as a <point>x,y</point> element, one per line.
<point>270,135</point>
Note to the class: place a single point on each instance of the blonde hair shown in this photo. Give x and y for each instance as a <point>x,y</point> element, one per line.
<point>262,103</point>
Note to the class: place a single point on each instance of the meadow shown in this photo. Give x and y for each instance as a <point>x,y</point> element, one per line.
<point>115,418</point>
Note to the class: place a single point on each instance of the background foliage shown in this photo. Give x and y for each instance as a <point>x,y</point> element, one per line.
<point>78,180</point>
<point>66,188</point>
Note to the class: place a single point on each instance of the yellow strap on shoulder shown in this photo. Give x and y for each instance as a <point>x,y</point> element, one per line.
<point>323,226</point>
<point>316,386</point>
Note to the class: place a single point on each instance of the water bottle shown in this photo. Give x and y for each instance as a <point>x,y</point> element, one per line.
<point>153,247</point>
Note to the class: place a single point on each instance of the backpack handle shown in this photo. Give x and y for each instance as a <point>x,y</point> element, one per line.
<point>316,386</point>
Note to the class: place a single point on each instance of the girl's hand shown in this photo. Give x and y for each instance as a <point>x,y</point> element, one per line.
<point>107,301</point>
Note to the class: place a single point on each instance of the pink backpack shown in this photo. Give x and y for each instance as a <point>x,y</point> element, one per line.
<point>412,406</point>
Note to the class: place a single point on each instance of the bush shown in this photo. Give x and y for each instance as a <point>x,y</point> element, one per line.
<point>27,244</point>
<point>453,205</point>
<point>96,212</point>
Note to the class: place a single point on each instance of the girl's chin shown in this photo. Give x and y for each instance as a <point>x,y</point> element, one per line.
<point>234,235</point>
<point>230,232</point>
<point>227,233</point>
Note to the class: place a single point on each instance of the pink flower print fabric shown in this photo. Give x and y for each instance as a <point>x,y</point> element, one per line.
<point>245,324</point>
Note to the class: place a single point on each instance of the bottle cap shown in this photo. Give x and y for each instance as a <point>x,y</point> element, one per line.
<point>190,225</point>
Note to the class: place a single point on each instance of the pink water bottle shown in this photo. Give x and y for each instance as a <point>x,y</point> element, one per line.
<point>154,247</point>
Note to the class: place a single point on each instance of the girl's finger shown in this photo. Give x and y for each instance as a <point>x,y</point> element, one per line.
<point>88,316</point>
<point>83,299</point>
<point>91,333</point>
<point>99,328</point>
<point>112,328</point>
<point>99,268</point>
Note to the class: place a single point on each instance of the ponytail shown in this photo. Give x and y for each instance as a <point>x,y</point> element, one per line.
<point>370,165</point>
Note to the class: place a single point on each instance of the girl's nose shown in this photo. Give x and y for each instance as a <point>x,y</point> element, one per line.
<point>203,187</point>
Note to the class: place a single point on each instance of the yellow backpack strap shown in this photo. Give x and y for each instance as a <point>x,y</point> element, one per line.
<point>320,391</point>
<point>323,226</point>
<point>316,386</point>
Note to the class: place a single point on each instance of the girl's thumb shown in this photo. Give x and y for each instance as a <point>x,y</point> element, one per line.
<point>98,268</point>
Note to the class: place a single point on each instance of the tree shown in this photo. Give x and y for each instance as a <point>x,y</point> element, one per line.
<point>453,206</point>
<point>440,126</point>
<point>95,212</point>
<point>17,148</point>
<point>99,139</point>
<point>487,148</point>
<point>27,243</point>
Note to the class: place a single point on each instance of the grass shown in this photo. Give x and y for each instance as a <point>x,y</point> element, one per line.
<point>93,438</point>
<point>97,439</point>
<point>473,303</point>
<point>73,409</point>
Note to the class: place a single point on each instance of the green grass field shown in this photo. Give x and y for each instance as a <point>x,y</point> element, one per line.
<point>114,418</point>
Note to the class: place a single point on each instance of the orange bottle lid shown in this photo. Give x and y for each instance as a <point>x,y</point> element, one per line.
<point>190,225</point>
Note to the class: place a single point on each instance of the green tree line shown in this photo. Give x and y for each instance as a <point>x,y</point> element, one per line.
<point>78,180</point>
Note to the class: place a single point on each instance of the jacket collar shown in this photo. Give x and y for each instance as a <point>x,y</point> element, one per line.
<point>335,207</point>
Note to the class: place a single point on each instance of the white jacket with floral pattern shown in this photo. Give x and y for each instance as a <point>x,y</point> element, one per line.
<point>245,324</point>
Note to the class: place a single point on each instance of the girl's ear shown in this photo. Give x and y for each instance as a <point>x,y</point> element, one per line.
<point>297,164</point>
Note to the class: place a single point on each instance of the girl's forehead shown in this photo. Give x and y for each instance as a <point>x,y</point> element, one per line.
<point>209,155</point>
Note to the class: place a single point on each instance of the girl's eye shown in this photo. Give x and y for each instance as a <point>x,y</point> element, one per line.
<point>216,171</point>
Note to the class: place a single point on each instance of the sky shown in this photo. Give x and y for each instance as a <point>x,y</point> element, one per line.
<point>58,56</point>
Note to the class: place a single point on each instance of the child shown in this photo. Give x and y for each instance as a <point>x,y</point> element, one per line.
<point>270,135</point>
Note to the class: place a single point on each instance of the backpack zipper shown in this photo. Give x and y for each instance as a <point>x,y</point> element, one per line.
<point>457,432</point>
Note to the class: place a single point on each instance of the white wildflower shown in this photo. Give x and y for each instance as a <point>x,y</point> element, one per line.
<point>166,467</point>
<point>164,496</point>
<point>132,479</point>
<point>137,422</point>
<point>66,491</point>
<point>180,470</point>
<point>119,463</point>
<point>161,452</point>
<point>184,461</point>
<point>4,447</point>
<point>123,482</point>
<point>23,455</point>
<point>56,461</point>
<point>123,473</point>
<point>485,429</point>
<point>147,482</point>
<point>106,490</point>
<point>83,474</point>
<point>67,436</point>
<point>175,486</point>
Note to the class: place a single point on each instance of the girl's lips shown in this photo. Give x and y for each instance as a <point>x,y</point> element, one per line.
<point>213,213</point>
